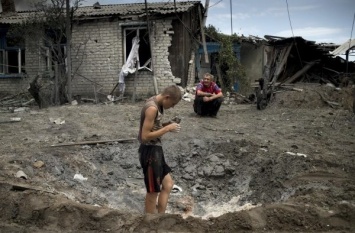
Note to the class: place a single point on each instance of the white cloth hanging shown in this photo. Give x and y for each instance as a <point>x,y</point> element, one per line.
<point>130,66</point>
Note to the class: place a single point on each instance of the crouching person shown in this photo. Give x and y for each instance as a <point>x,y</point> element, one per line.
<point>209,97</point>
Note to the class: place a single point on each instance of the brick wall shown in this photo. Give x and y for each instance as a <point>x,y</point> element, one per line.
<point>97,56</point>
<point>13,85</point>
<point>34,65</point>
<point>35,59</point>
<point>160,44</point>
<point>95,59</point>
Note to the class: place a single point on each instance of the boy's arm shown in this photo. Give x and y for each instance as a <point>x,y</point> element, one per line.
<point>148,124</point>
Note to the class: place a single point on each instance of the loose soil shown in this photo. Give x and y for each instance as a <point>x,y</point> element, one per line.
<point>288,168</point>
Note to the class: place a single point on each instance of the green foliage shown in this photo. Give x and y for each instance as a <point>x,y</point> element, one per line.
<point>231,69</point>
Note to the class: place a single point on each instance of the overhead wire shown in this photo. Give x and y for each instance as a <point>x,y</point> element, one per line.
<point>295,43</point>
<point>352,28</point>
<point>186,28</point>
<point>215,3</point>
<point>293,36</point>
<point>351,36</point>
<point>184,25</point>
<point>298,109</point>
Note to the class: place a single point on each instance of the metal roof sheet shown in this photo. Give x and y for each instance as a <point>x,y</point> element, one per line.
<point>154,8</point>
<point>16,17</point>
<point>344,47</point>
<point>136,8</point>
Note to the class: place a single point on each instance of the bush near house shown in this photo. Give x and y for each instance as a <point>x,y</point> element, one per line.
<point>232,71</point>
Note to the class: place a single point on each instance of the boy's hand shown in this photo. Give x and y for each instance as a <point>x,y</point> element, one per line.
<point>174,120</point>
<point>174,127</point>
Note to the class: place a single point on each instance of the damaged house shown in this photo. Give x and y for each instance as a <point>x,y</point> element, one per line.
<point>294,59</point>
<point>136,47</point>
<point>276,62</point>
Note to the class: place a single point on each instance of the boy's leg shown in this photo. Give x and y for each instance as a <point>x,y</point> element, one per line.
<point>167,186</point>
<point>151,202</point>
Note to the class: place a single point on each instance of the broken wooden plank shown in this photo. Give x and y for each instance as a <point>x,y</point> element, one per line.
<point>12,120</point>
<point>28,102</point>
<point>256,84</point>
<point>114,99</point>
<point>219,74</point>
<point>93,142</point>
<point>330,103</point>
<point>292,88</point>
<point>135,80</point>
<point>281,63</point>
<point>87,100</point>
<point>301,72</point>
<point>22,187</point>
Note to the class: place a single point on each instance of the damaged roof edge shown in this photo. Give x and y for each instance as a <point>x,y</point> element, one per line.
<point>154,8</point>
<point>343,48</point>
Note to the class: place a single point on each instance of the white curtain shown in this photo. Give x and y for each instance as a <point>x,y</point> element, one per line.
<point>130,66</point>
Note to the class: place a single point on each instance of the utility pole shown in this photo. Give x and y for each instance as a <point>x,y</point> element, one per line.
<point>68,35</point>
<point>207,5</point>
<point>230,3</point>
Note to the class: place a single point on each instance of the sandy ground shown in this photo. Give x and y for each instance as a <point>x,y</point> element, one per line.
<point>288,168</point>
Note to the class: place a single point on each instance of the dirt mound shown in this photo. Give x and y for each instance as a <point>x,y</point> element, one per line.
<point>40,211</point>
<point>315,96</point>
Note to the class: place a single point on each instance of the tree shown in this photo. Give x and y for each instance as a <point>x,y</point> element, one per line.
<point>48,30</point>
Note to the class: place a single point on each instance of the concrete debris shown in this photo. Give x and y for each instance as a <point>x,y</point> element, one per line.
<point>21,174</point>
<point>22,109</point>
<point>57,121</point>
<point>297,154</point>
<point>176,189</point>
<point>80,177</point>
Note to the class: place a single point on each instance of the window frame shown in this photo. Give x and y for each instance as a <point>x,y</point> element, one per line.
<point>6,67</point>
<point>138,28</point>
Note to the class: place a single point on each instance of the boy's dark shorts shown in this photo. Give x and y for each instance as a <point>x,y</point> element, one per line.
<point>154,166</point>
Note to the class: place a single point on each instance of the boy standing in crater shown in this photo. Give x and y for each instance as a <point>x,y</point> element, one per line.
<point>157,178</point>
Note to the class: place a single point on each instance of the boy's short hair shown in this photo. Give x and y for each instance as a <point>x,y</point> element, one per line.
<point>173,91</point>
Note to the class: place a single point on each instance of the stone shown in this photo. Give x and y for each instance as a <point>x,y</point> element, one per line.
<point>187,177</point>
<point>190,168</point>
<point>38,164</point>
<point>219,171</point>
<point>213,158</point>
<point>207,170</point>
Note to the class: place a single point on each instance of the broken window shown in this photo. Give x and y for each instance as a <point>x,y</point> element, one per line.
<point>12,57</point>
<point>53,51</point>
<point>12,61</point>
<point>52,56</point>
<point>144,47</point>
